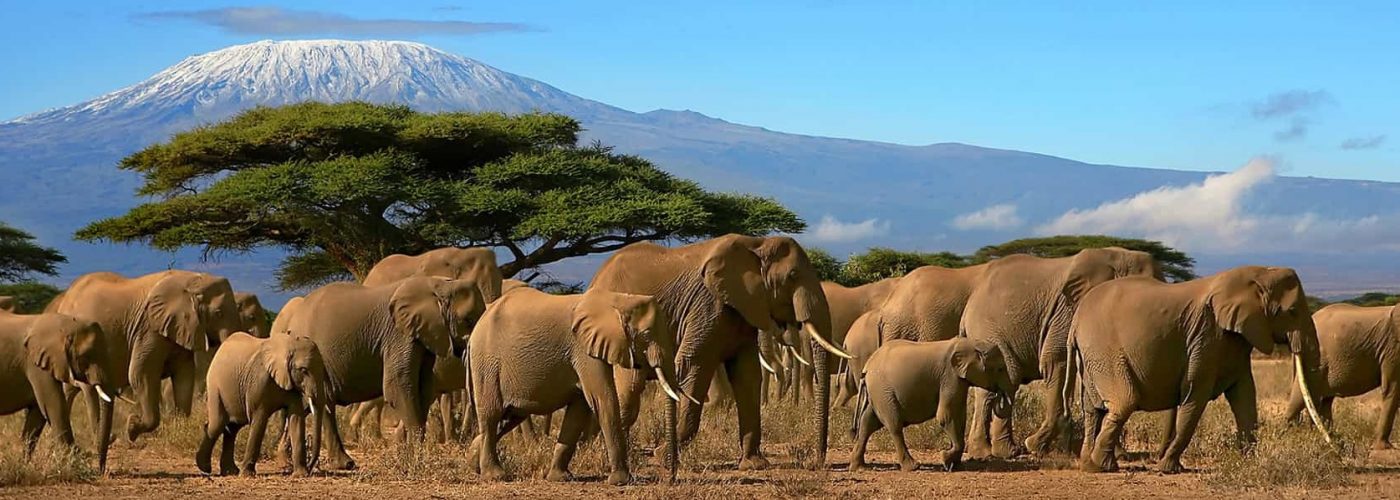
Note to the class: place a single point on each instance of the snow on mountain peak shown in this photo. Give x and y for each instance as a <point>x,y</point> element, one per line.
<point>215,85</point>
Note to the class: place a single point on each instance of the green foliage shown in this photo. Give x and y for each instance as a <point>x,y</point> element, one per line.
<point>340,186</point>
<point>1374,299</point>
<point>879,263</point>
<point>1176,265</point>
<point>828,268</point>
<point>21,258</point>
<point>1316,303</point>
<point>30,297</point>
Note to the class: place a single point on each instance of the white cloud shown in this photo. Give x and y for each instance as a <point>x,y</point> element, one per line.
<point>1210,216</point>
<point>831,230</point>
<point>1001,216</point>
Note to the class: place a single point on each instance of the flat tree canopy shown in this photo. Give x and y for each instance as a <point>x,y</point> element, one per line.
<point>1175,264</point>
<point>21,258</point>
<point>340,186</point>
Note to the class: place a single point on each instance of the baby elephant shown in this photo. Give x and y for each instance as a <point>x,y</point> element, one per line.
<point>250,379</point>
<point>39,353</point>
<point>533,353</point>
<point>911,382</point>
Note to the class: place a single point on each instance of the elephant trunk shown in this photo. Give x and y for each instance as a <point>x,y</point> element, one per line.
<point>822,389</point>
<point>104,435</point>
<point>673,450</point>
<point>313,452</point>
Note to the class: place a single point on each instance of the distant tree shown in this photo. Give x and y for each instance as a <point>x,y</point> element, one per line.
<point>879,263</point>
<point>1316,303</point>
<point>30,297</point>
<point>828,268</point>
<point>21,258</point>
<point>340,186</point>
<point>1175,264</point>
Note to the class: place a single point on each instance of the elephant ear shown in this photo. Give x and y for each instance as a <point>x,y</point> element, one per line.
<point>49,350</point>
<point>600,328</point>
<point>1240,305</point>
<point>277,355</point>
<point>421,315</point>
<point>734,274</point>
<point>964,358</point>
<point>170,311</point>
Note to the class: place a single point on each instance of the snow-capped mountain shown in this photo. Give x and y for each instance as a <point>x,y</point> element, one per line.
<point>58,167</point>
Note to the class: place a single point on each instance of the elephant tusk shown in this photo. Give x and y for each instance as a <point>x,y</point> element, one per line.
<point>102,394</point>
<point>1308,399</point>
<point>311,406</point>
<point>812,331</point>
<point>764,362</point>
<point>793,350</point>
<point>666,385</point>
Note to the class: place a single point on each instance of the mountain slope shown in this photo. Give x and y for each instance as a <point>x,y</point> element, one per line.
<point>61,162</point>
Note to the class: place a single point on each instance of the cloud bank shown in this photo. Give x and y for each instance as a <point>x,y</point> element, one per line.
<point>280,22</point>
<point>1356,143</point>
<point>1001,216</point>
<point>832,230</point>
<point>1210,216</point>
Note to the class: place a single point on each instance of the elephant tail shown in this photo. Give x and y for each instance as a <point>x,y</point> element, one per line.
<point>862,400</point>
<point>1072,368</point>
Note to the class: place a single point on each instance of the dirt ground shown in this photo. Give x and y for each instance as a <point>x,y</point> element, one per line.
<point>165,471</point>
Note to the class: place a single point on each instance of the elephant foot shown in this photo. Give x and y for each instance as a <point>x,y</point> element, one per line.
<point>619,478</point>
<point>203,463</point>
<point>1170,466</point>
<point>857,465</point>
<point>755,462</point>
<point>1007,450</point>
<point>951,460</point>
<point>978,450</point>
<point>340,461</point>
<point>300,472</point>
<point>1381,445</point>
<point>228,470</point>
<point>908,464</point>
<point>133,428</point>
<point>249,470</point>
<point>558,475</point>
<point>494,472</point>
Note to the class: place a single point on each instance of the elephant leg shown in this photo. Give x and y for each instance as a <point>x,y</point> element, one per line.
<point>255,438</point>
<point>54,410</point>
<point>298,431</point>
<point>404,393</point>
<point>33,426</point>
<point>182,376</point>
<point>744,376</point>
<point>1189,416</point>
<point>597,380</point>
<point>336,457</point>
<point>979,444</point>
<point>1101,458</point>
<point>846,387</point>
<point>955,428</point>
<point>576,417</point>
<point>145,377</point>
<point>1169,434</point>
<point>357,420</point>
<point>227,465</point>
<point>1390,399</point>
<point>630,386</point>
<point>1294,410</point>
<point>695,380</point>
<point>494,426</point>
<point>1245,408</point>
<point>1003,442</point>
<point>866,424</point>
<point>1093,422</point>
<point>445,413</point>
<point>213,429</point>
<point>1053,421</point>
<point>901,449</point>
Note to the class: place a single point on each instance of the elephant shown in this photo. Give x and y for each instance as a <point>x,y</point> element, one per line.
<point>925,305</point>
<point>252,314</point>
<point>912,382</point>
<point>534,353</point>
<point>448,377</point>
<point>8,304</point>
<point>1359,349</point>
<point>252,378</point>
<point>847,304</point>
<point>1144,345</point>
<point>153,324</point>
<point>720,294</point>
<point>1024,305</point>
<point>384,341</point>
<point>508,285</point>
<point>40,353</point>
<point>477,265</point>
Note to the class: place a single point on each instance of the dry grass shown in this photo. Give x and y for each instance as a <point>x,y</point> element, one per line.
<point>1284,459</point>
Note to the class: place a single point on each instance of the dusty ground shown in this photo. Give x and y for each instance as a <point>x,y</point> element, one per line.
<point>1287,465</point>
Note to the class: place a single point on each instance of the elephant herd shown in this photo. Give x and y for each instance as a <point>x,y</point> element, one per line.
<point>445,327</point>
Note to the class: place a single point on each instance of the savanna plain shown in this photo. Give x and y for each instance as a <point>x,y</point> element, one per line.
<point>1287,462</point>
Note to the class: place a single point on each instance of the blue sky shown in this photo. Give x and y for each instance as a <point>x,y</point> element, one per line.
<point>1186,85</point>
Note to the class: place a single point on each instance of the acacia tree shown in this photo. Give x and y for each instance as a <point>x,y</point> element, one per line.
<point>340,186</point>
<point>20,260</point>
<point>1175,264</point>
